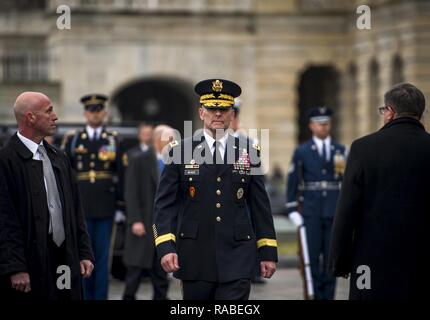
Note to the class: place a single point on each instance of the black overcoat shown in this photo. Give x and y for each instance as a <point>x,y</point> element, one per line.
<point>24,218</point>
<point>382,217</point>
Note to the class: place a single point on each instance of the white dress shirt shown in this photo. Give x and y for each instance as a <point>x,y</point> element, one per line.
<point>326,142</point>
<point>210,141</point>
<point>31,145</point>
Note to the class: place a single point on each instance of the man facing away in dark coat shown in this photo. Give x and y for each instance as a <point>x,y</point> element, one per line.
<point>141,183</point>
<point>380,232</point>
<point>44,244</point>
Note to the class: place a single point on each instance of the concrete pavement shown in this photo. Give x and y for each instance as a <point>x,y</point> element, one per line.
<point>286,284</point>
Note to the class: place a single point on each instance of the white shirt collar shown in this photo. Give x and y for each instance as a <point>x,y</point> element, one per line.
<point>210,140</point>
<point>144,147</point>
<point>30,144</point>
<point>319,142</point>
<point>91,131</point>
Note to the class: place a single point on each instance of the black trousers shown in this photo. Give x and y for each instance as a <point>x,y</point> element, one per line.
<point>203,290</point>
<point>158,276</point>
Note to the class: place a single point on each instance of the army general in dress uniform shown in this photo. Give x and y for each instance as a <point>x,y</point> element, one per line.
<point>209,203</point>
<point>314,180</point>
<point>96,156</point>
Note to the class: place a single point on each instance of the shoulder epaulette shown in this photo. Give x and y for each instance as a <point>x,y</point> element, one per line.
<point>70,133</point>
<point>174,143</point>
<point>67,135</point>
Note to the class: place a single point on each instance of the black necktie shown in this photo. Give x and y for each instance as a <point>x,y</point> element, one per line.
<point>324,151</point>
<point>216,157</point>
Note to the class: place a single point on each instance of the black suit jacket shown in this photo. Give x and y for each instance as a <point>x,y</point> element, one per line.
<point>382,217</point>
<point>24,218</point>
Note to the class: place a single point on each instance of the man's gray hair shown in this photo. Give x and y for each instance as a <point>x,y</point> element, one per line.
<point>406,100</point>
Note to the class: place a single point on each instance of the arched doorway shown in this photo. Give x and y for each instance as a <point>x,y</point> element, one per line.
<point>319,86</point>
<point>157,100</point>
<point>397,75</point>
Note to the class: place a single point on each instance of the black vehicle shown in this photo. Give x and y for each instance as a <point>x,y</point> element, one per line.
<point>128,132</point>
<point>6,131</point>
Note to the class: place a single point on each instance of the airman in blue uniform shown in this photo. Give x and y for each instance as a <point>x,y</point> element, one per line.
<point>314,180</point>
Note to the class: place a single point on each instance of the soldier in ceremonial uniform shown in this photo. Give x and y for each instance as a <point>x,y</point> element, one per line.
<point>207,203</point>
<point>96,156</point>
<point>314,180</point>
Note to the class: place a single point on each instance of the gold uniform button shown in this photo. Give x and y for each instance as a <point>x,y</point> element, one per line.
<point>218,205</point>
<point>218,179</point>
<point>218,192</point>
<point>218,219</point>
<point>92,164</point>
<point>93,156</point>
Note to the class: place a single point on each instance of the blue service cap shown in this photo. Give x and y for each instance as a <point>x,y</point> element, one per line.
<point>320,114</point>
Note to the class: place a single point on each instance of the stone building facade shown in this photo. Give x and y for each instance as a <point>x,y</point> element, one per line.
<point>287,55</point>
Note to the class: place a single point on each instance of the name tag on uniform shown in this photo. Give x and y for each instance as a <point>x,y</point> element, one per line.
<point>192,166</point>
<point>191,172</point>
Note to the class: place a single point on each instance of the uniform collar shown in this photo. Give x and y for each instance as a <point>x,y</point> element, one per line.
<point>319,142</point>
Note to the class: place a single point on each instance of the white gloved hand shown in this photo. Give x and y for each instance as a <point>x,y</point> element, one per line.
<point>119,216</point>
<point>296,218</point>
